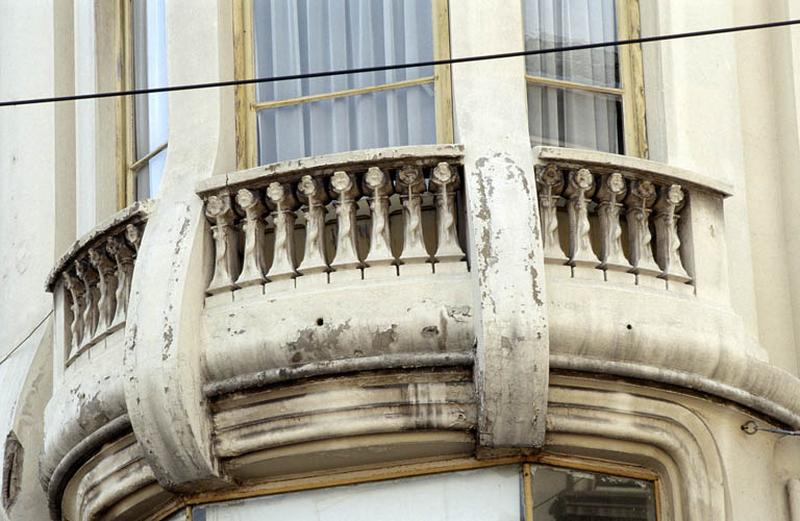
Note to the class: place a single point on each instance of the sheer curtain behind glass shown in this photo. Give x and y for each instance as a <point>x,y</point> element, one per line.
<point>570,116</point>
<point>298,36</point>
<point>150,111</point>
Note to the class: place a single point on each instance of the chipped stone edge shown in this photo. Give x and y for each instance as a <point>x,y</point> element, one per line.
<point>645,168</point>
<point>133,214</point>
<point>338,367</point>
<point>262,175</point>
<point>77,456</point>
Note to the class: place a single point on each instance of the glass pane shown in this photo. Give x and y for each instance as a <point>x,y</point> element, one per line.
<point>150,70</point>
<point>148,178</point>
<point>299,36</point>
<point>558,23</point>
<point>573,118</point>
<point>475,495</point>
<point>572,495</point>
<point>380,119</point>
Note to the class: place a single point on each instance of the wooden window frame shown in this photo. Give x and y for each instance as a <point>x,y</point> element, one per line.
<point>247,106</point>
<point>631,76</point>
<point>371,475</point>
<point>128,166</point>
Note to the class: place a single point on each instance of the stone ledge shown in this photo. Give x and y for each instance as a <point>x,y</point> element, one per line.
<point>262,175</point>
<point>647,169</point>
<point>132,214</point>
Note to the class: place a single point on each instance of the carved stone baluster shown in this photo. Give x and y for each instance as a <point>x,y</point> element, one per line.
<point>282,201</point>
<point>610,195</point>
<point>346,256</point>
<point>640,199</point>
<point>134,236</point>
<point>313,195</point>
<point>226,258</point>
<point>580,186</point>
<point>253,265</point>
<point>76,293</point>
<point>550,181</point>
<point>91,295</point>
<point>107,287</point>
<point>446,180</point>
<point>378,184</point>
<point>667,242</point>
<point>410,184</point>
<point>123,256</point>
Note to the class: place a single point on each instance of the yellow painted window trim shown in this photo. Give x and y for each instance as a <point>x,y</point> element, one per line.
<point>247,106</point>
<point>631,76</point>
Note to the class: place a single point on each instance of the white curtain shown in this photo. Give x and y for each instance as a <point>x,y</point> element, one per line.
<point>569,117</point>
<point>298,36</point>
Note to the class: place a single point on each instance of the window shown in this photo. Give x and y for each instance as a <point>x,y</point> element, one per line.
<point>146,115</point>
<point>298,118</point>
<point>590,98</point>
<point>508,492</point>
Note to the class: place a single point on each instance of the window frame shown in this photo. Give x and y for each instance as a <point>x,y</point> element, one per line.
<point>323,480</point>
<point>128,166</point>
<point>247,105</point>
<point>631,76</point>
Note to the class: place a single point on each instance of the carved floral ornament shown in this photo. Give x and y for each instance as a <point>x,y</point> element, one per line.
<point>341,245</point>
<point>616,198</point>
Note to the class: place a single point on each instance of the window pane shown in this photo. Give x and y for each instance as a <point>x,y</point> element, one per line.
<point>572,118</point>
<point>476,495</point>
<point>572,495</point>
<point>150,70</point>
<point>380,119</point>
<point>299,36</point>
<point>558,23</point>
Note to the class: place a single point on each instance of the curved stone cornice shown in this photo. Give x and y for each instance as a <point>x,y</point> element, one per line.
<point>77,456</point>
<point>610,424</point>
<point>670,339</point>
<point>330,417</point>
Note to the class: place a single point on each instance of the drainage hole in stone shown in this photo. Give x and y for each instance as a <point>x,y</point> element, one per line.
<point>320,321</point>
<point>629,326</point>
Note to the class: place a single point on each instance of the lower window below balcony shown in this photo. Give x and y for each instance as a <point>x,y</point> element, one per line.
<point>502,493</point>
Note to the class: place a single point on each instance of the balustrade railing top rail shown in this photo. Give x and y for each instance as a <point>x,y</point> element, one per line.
<point>599,213</point>
<point>349,216</point>
<point>602,162</point>
<point>96,273</point>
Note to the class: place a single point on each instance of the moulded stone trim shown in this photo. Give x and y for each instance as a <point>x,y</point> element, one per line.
<point>604,162</point>
<point>347,407</point>
<point>116,483</point>
<point>77,456</point>
<point>607,422</point>
<point>261,176</point>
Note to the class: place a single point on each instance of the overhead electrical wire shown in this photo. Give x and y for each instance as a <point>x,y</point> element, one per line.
<point>379,68</point>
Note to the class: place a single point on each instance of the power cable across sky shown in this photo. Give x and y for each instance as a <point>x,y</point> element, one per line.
<point>378,68</point>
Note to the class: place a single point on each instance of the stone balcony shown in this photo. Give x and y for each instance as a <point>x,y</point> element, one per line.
<point>637,279</point>
<point>331,266</point>
<point>330,316</point>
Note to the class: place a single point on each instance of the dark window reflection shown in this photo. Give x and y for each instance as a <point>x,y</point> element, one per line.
<point>572,495</point>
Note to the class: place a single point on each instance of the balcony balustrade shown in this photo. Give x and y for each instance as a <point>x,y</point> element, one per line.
<point>354,220</point>
<point>93,280</point>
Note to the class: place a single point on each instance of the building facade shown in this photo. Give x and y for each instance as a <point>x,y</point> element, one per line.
<point>556,287</point>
